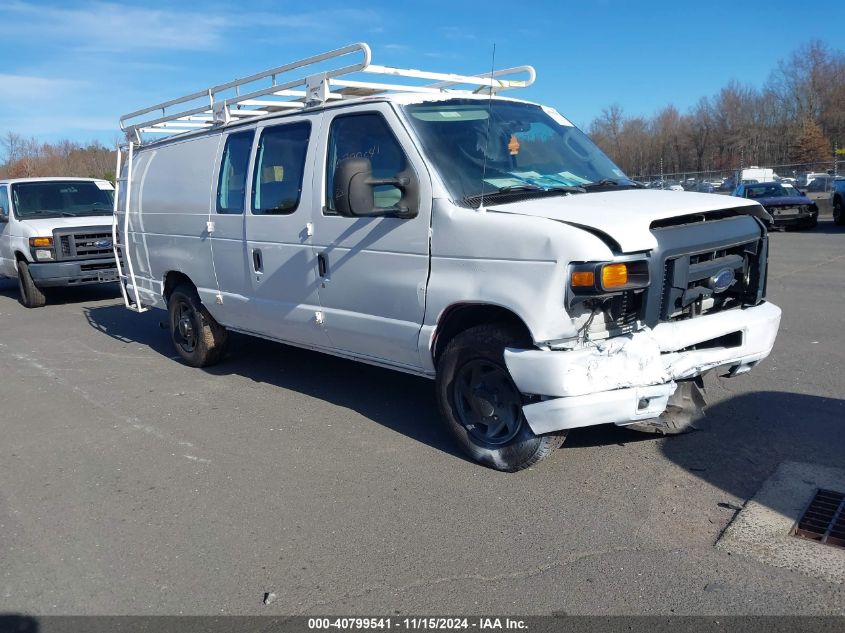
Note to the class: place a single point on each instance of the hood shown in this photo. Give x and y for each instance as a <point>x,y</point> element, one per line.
<point>625,216</point>
<point>781,201</point>
<point>45,226</point>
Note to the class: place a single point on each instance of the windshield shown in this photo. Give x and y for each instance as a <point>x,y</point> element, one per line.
<point>767,191</point>
<point>56,199</point>
<point>527,147</point>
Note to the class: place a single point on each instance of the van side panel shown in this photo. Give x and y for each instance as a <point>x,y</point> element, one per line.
<point>169,209</point>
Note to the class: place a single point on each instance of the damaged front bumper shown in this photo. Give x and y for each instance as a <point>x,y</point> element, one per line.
<point>627,379</point>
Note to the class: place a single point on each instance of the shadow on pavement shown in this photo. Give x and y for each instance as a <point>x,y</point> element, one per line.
<point>747,436</point>
<point>401,402</point>
<point>16,623</point>
<point>743,440</point>
<point>69,294</point>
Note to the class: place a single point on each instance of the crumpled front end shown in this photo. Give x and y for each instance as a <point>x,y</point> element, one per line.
<point>628,379</point>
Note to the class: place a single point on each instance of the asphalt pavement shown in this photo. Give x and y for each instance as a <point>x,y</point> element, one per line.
<point>133,484</point>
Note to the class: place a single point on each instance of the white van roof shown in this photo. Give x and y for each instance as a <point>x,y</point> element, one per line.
<point>308,83</point>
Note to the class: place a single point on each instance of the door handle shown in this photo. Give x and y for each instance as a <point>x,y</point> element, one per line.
<point>322,265</point>
<point>257,262</point>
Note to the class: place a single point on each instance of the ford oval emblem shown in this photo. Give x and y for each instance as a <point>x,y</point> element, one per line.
<point>722,280</point>
<point>102,244</point>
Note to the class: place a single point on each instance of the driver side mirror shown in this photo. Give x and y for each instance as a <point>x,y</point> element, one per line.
<point>354,191</point>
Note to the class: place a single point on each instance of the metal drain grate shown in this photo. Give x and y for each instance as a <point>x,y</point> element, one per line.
<point>824,519</point>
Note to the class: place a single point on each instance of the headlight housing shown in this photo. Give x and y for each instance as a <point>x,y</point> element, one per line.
<point>42,248</point>
<point>602,278</point>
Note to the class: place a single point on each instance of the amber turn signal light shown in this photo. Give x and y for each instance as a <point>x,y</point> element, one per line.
<point>42,242</point>
<point>583,279</point>
<point>614,276</point>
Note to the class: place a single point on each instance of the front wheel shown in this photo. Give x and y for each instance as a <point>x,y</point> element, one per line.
<point>31,295</point>
<point>198,338</point>
<point>482,406</point>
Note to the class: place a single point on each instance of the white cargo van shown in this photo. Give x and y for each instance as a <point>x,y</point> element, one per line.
<point>480,241</point>
<point>55,232</point>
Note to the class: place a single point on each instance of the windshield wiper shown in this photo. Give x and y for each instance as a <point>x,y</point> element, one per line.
<point>611,182</point>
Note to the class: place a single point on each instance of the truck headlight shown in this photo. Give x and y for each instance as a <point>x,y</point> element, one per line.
<point>42,248</point>
<point>607,277</point>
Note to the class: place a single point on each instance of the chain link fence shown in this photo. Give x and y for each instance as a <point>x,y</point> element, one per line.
<point>816,177</point>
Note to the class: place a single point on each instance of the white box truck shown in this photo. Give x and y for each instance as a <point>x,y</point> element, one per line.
<point>440,229</point>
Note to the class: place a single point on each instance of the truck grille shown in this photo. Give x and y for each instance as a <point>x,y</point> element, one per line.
<point>84,244</point>
<point>690,286</point>
<point>706,266</point>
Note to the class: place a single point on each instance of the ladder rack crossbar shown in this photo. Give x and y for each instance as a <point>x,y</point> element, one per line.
<point>221,107</point>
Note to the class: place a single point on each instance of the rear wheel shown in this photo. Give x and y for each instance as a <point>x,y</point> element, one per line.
<point>838,211</point>
<point>482,406</point>
<point>31,295</point>
<point>197,337</point>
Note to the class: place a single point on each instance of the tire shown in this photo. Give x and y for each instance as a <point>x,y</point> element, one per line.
<point>31,295</point>
<point>838,211</point>
<point>197,337</point>
<point>473,386</point>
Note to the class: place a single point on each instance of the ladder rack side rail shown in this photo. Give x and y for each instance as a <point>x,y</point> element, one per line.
<point>517,83</point>
<point>213,91</point>
<point>126,245</point>
<point>308,61</point>
<point>115,242</point>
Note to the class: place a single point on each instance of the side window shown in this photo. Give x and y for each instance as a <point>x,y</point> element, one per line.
<point>231,186</point>
<point>4,200</point>
<point>365,136</point>
<point>279,168</point>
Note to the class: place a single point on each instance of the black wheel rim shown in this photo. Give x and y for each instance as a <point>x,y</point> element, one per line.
<point>487,403</point>
<point>184,326</point>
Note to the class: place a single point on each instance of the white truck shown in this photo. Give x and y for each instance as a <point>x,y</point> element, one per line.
<point>757,174</point>
<point>442,230</point>
<point>55,232</point>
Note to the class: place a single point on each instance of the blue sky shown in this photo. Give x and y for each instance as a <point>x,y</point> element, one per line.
<point>70,69</point>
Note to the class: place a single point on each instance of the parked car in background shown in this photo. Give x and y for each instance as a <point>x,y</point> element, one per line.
<point>820,184</point>
<point>785,208</point>
<point>704,187</point>
<point>837,200</point>
<point>55,232</point>
<point>805,180</point>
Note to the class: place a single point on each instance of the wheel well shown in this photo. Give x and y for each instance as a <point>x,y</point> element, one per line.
<point>20,256</point>
<point>173,279</point>
<point>461,317</point>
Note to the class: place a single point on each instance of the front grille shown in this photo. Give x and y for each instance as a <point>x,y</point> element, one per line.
<point>81,244</point>
<point>705,266</point>
<point>94,267</point>
<point>689,286</point>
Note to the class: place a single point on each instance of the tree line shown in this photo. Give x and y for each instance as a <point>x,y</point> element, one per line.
<point>27,158</point>
<point>796,118</point>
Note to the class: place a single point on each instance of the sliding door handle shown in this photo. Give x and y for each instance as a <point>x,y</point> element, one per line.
<point>322,265</point>
<point>257,262</point>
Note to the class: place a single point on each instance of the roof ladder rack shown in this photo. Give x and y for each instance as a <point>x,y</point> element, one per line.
<point>306,83</point>
<point>121,249</point>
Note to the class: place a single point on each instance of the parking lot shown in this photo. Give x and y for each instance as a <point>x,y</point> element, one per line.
<point>131,483</point>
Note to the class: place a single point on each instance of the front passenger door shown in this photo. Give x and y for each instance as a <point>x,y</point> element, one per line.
<point>373,270</point>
